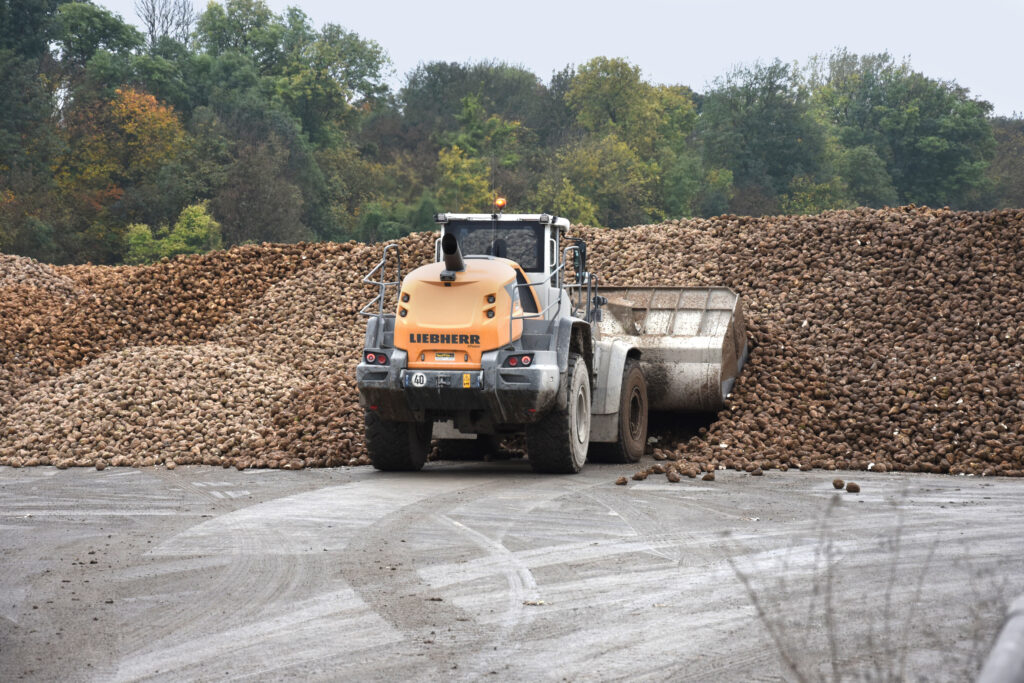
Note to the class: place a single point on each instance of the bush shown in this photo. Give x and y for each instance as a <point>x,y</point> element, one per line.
<point>380,222</point>
<point>195,232</point>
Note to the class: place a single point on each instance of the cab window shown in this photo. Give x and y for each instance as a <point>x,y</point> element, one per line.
<point>522,242</point>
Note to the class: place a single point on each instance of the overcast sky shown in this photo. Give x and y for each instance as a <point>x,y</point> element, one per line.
<point>974,42</point>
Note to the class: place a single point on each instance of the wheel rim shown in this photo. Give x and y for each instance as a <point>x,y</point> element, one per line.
<point>582,412</point>
<point>636,414</point>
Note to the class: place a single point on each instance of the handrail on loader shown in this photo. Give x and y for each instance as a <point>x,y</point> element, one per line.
<point>383,285</point>
<point>584,279</point>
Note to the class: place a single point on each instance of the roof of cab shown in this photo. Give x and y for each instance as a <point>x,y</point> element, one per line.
<point>503,217</point>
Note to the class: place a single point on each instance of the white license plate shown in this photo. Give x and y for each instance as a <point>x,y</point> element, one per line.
<point>444,355</point>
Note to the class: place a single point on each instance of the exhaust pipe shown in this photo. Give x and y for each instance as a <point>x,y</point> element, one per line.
<point>453,262</point>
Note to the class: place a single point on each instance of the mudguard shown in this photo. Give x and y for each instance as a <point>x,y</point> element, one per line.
<point>610,363</point>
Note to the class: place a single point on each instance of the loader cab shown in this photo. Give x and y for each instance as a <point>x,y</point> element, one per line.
<point>532,241</point>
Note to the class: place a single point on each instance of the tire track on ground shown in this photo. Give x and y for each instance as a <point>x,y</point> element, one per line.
<point>253,569</point>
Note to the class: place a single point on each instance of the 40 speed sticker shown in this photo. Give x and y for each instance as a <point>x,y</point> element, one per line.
<point>444,380</point>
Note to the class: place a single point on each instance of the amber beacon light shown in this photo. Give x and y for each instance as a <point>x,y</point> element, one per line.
<point>499,203</point>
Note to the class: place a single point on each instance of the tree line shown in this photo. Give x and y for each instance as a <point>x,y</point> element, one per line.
<point>238,124</point>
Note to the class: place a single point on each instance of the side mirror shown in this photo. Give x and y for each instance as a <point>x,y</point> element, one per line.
<point>579,260</point>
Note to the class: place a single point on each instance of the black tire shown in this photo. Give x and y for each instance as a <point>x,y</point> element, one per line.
<point>632,420</point>
<point>557,443</point>
<point>467,449</point>
<point>396,446</point>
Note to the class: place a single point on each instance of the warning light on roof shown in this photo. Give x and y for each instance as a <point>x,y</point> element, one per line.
<point>499,203</point>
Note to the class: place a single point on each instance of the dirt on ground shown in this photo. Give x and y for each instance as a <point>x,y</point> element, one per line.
<point>469,572</point>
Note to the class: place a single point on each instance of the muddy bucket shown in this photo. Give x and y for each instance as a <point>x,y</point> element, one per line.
<point>692,341</point>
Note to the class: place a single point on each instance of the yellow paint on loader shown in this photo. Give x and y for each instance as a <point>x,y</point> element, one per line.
<point>445,325</point>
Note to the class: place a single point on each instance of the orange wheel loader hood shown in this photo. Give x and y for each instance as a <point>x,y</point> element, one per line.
<point>448,325</point>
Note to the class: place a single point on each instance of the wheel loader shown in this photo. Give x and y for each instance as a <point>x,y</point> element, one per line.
<point>508,333</point>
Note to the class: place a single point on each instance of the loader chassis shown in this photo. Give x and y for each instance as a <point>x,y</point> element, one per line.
<point>493,339</point>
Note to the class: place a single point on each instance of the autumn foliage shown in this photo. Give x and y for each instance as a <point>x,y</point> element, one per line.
<point>289,132</point>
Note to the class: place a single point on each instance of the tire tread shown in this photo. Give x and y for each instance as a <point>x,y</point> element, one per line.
<point>548,440</point>
<point>395,446</point>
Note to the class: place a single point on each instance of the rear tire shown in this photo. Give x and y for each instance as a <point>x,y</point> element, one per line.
<point>632,441</point>
<point>557,443</point>
<point>396,446</point>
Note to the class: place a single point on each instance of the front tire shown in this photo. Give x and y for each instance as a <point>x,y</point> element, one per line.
<point>632,441</point>
<point>557,443</point>
<point>396,446</point>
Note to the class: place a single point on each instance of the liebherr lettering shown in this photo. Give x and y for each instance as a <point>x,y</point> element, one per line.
<point>433,338</point>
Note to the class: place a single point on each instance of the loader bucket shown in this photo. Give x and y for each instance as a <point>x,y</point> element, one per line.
<point>692,341</point>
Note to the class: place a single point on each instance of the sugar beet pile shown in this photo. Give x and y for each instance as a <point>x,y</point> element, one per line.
<point>883,338</point>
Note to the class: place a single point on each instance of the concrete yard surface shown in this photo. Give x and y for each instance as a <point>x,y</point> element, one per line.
<point>472,571</point>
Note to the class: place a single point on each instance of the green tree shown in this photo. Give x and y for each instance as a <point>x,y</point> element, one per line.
<point>382,220</point>
<point>464,184</point>
<point>681,184</point>
<point>1006,174</point>
<point>430,111</point>
<point>610,97</point>
<point>611,177</point>
<point>866,178</point>
<point>934,139</point>
<point>495,143</point>
<point>273,110</point>
<point>142,245</point>
<point>716,192</point>
<point>481,135</point>
<point>555,121</point>
<point>29,137</point>
<point>277,77</point>
<point>327,73</point>
<point>83,29</point>
<point>257,202</point>
<point>262,132</point>
<point>676,118</point>
<point>511,92</point>
<point>806,196</point>
<point>26,26</point>
<point>428,94</point>
<point>757,123</point>
<point>377,223</point>
<point>352,182</point>
<point>679,162</point>
<point>29,144</point>
<point>244,27</point>
<point>169,70</point>
<point>195,232</point>
<point>562,199</point>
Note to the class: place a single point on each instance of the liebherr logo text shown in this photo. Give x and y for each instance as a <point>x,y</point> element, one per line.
<point>432,338</point>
